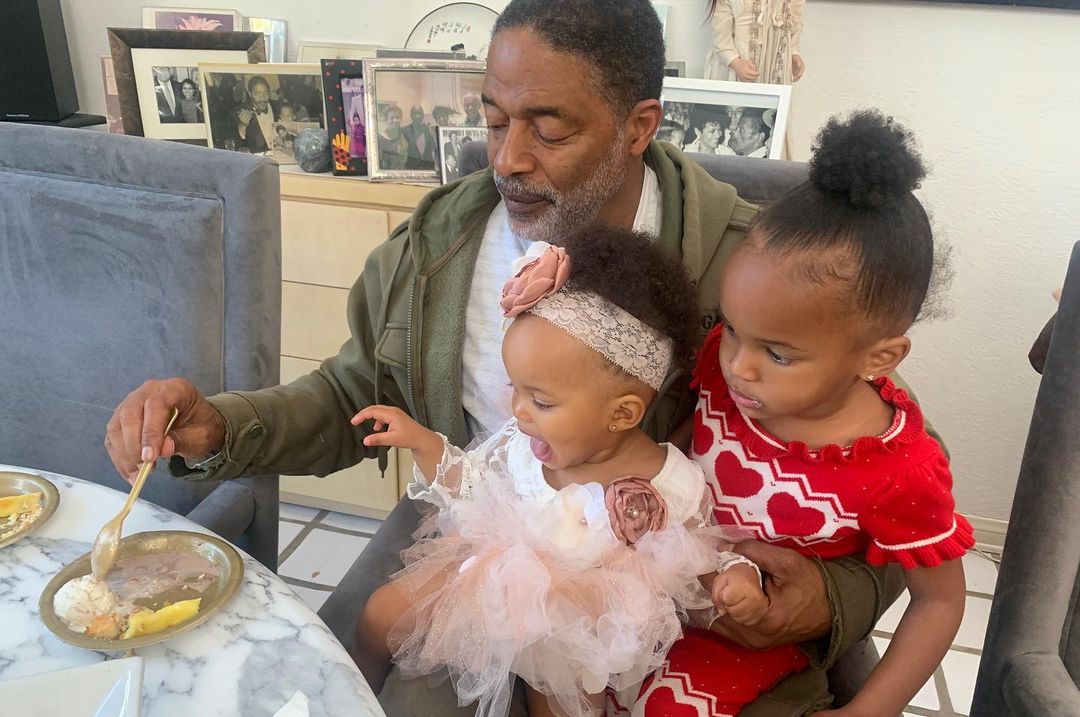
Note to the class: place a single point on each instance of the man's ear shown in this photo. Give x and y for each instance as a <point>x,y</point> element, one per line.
<point>641,125</point>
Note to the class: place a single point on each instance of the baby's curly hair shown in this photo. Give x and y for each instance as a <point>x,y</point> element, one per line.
<point>628,269</point>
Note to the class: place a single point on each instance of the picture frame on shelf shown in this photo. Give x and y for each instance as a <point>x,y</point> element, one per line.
<point>274,32</point>
<point>451,140</point>
<point>310,51</point>
<point>195,19</point>
<point>721,117</point>
<point>195,43</point>
<point>261,109</point>
<point>343,100</point>
<point>674,69</point>
<point>112,99</point>
<point>170,90</point>
<point>430,93</point>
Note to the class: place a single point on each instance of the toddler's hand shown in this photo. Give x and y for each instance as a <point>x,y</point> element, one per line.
<point>737,592</point>
<point>745,70</point>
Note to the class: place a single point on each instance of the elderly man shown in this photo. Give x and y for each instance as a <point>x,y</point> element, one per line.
<point>571,96</point>
<point>751,135</point>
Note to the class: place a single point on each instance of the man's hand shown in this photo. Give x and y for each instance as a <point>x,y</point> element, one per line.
<point>745,70</point>
<point>798,601</point>
<point>737,593</point>
<point>136,432</point>
<point>798,67</point>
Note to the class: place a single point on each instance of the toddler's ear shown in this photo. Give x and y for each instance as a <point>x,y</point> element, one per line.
<point>885,355</point>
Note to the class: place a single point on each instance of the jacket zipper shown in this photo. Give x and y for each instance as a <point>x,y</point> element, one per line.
<point>410,399</point>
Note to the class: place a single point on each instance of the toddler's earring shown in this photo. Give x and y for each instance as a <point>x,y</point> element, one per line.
<point>870,378</point>
<point>613,428</point>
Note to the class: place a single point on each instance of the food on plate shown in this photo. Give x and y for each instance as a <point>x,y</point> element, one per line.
<point>143,594</point>
<point>18,512</point>
<point>145,622</point>
<point>82,600</point>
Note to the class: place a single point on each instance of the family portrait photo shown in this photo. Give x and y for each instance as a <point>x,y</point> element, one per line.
<point>719,117</point>
<point>407,101</point>
<point>451,142</point>
<point>261,110</point>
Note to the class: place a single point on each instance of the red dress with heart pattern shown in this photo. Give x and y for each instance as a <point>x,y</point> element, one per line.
<point>888,497</point>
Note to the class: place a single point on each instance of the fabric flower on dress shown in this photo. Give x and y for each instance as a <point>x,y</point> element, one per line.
<point>539,274</point>
<point>635,507</point>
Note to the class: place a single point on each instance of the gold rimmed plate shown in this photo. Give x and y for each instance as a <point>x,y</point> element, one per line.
<point>224,558</point>
<point>15,483</point>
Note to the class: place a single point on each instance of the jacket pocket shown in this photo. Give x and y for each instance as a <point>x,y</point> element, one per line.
<point>392,347</point>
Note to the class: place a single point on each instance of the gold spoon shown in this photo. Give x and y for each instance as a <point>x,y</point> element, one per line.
<point>107,543</point>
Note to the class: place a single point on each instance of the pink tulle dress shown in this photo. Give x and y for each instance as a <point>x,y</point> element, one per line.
<point>575,590</point>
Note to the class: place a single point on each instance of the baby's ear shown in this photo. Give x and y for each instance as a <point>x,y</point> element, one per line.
<point>627,412</point>
<point>885,355</point>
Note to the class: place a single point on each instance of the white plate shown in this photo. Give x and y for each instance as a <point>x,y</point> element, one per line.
<point>461,22</point>
<point>105,689</point>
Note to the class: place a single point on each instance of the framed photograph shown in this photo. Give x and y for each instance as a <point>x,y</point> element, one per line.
<point>170,92</point>
<point>405,101</point>
<point>182,18</point>
<point>112,100</point>
<point>451,140</point>
<point>194,44</point>
<point>260,110</point>
<point>273,32</point>
<point>720,117</point>
<point>319,51</point>
<point>674,69</point>
<point>343,99</point>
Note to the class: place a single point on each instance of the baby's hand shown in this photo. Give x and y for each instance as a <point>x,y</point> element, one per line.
<point>737,592</point>
<point>393,427</point>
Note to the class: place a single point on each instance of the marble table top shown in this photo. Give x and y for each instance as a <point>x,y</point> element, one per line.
<point>247,661</point>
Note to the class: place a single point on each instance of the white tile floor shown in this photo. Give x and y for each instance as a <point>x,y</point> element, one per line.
<point>317,547</point>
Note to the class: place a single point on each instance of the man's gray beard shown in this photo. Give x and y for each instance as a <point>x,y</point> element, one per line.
<point>575,209</point>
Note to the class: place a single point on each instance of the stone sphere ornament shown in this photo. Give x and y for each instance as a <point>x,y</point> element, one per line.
<point>312,150</point>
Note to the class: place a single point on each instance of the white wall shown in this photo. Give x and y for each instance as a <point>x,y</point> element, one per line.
<point>994,96</point>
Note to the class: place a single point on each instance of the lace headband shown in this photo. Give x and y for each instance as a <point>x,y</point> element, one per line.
<point>539,286</point>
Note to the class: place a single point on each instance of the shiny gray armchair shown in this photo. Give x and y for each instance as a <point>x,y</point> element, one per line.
<point>1031,658</point>
<point>124,259</point>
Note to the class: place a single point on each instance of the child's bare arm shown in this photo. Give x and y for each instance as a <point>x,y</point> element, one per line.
<point>920,643</point>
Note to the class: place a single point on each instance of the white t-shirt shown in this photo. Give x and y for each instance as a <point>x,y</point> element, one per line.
<point>486,392</point>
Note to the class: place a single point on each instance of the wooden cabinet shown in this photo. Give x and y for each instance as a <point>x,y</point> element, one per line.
<point>329,225</point>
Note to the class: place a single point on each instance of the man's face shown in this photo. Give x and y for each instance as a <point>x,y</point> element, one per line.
<point>416,114</point>
<point>558,152</point>
<point>710,134</point>
<point>260,96</point>
<point>163,74</point>
<point>472,106</point>
<point>287,114</point>
<point>746,137</point>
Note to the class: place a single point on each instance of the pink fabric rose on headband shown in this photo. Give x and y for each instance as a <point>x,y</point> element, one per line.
<point>539,274</point>
<point>635,508</point>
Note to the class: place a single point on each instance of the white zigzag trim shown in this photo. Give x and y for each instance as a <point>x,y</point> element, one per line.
<point>919,543</point>
<point>679,683</point>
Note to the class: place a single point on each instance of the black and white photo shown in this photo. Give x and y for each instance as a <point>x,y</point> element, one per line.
<point>451,142</point>
<point>725,118</point>
<point>170,91</point>
<point>260,110</point>
<point>406,101</point>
